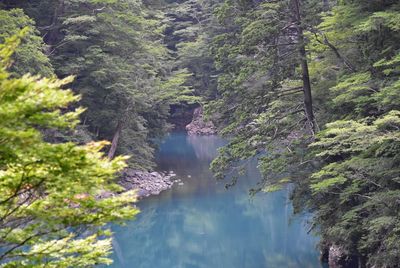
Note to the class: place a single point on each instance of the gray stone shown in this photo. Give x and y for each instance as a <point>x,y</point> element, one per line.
<point>198,126</point>
<point>338,257</point>
<point>148,183</point>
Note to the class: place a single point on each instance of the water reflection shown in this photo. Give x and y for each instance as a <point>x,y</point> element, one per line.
<point>205,146</point>
<point>200,224</point>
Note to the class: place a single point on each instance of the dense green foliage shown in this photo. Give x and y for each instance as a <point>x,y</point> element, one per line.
<point>309,88</point>
<point>123,71</point>
<point>189,35</point>
<point>347,173</point>
<point>51,213</point>
<point>261,83</point>
<point>355,191</point>
<point>29,56</point>
<point>56,194</point>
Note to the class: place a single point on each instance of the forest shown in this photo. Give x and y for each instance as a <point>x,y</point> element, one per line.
<point>309,89</point>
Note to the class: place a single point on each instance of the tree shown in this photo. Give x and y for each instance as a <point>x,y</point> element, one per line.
<point>264,85</point>
<point>56,198</point>
<point>347,174</point>
<point>29,57</point>
<point>354,189</point>
<point>355,193</point>
<point>123,71</point>
<point>191,27</point>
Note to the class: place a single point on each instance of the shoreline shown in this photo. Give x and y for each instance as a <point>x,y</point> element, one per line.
<point>147,183</point>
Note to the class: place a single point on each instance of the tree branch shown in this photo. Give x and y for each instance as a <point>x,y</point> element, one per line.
<point>335,50</point>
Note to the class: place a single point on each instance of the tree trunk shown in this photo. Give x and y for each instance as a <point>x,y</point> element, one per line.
<point>52,36</point>
<point>308,106</point>
<point>114,143</point>
<point>325,4</point>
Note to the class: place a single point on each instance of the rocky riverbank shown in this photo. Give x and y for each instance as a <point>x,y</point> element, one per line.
<point>147,183</point>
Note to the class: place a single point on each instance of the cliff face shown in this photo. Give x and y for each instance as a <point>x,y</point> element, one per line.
<point>198,126</point>
<point>181,116</point>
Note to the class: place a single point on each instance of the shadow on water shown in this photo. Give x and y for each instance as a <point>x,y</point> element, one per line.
<point>201,224</point>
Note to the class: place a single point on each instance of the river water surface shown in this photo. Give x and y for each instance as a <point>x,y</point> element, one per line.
<point>200,224</point>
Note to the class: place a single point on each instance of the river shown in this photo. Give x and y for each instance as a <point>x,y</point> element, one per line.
<point>200,224</point>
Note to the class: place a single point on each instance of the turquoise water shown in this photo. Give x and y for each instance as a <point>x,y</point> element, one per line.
<point>201,224</point>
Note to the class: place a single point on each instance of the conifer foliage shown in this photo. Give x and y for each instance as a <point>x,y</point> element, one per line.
<point>123,70</point>
<point>51,210</point>
<point>346,170</point>
<point>311,88</point>
<point>355,191</point>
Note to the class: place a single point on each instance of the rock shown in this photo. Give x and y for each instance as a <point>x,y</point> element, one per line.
<point>147,183</point>
<point>181,115</point>
<point>335,256</point>
<point>105,194</point>
<point>339,258</point>
<point>198,126</point>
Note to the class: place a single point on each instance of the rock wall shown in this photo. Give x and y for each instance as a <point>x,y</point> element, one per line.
<point>198,126</point>
<point>181,116</point>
